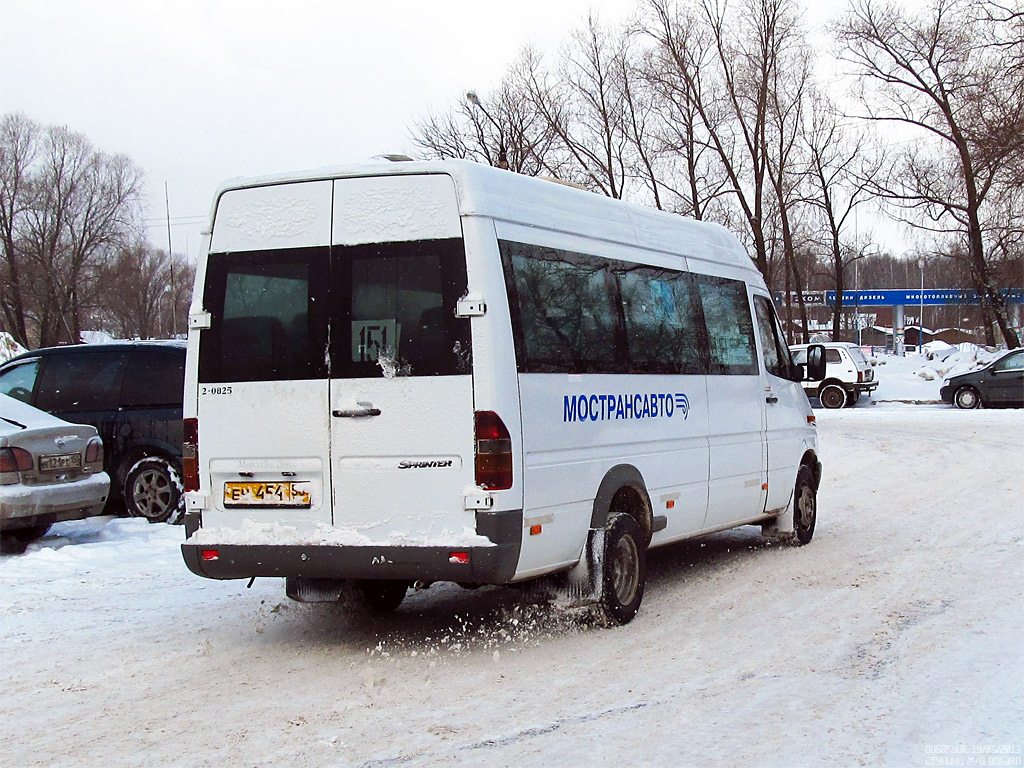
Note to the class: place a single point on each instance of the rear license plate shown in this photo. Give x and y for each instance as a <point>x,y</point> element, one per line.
<point>252,494</point>
<point>60,461</point>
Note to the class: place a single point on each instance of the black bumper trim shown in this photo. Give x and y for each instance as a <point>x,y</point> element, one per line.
<point>487,565</point>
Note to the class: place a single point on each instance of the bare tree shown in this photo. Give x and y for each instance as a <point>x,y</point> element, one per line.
<point>66,208</point>
<point>502,129</point>
<point>940,75</point>
<point>840,165</point>
<point>19,143</point>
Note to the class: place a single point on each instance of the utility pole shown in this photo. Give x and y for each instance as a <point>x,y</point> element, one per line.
<point>170,256</point>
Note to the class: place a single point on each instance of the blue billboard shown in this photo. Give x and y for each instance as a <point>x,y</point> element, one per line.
<point>933,297</point>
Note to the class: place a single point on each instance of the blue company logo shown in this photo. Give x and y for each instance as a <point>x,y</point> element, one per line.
<point>653,405</point>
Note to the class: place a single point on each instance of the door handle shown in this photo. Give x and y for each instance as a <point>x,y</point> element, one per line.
<point>353,413</point>
<point>771,399</point>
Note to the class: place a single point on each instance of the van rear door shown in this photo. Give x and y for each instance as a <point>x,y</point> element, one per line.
<point>263,396</point>
<point>402,431</point>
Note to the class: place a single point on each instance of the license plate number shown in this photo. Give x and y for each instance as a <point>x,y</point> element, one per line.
<point>270,494</point>
<point>60,461</point>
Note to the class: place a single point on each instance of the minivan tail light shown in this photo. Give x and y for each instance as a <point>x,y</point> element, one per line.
<point>15,460</point>
<point>493,452</point>
<point>190,454</point>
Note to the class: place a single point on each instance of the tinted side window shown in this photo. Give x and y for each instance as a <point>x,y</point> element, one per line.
<point>19,380</point>
<point>268,316</point>
<point>83,381</point>
<point>833,356</point>
<point>663,328</point>
<point>401,300</point>
<point>564,315</point>
<point>154,378</point>
<point>730,329</point>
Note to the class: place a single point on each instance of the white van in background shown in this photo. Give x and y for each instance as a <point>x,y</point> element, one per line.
<point>421,372</point>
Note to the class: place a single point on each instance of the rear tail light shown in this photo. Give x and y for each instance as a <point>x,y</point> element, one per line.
<point>493,452</point>
<point>15,460</point>
<point>94,451</point>
<point>860,376</point>
<point>190,454</point>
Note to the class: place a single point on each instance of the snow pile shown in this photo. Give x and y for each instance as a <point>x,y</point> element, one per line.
<point>947,361</point>
<point>9,347</point>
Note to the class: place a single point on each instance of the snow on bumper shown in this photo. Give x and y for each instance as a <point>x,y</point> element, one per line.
<point>84,497</point>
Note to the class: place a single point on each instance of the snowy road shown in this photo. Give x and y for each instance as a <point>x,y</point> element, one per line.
<point>895,638</point>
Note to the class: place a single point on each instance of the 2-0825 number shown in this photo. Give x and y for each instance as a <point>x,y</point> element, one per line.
<point>215,390</point>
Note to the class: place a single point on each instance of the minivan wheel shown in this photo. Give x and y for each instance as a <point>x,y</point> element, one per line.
<point>380,596</point>
<point>153,490</point>
<point>805,506</point>
<point>623,570</point>
<point>832,396</point>
<point>967,398</point>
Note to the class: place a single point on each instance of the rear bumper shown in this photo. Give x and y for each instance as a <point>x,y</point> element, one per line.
<point>486,565</point>
<point>24,506</point>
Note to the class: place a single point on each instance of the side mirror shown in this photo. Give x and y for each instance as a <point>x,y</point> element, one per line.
<point>815,368</point>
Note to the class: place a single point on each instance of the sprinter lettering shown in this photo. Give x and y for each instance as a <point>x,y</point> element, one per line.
<point>632,406</point>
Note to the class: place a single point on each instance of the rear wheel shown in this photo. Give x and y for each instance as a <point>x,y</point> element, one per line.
<point>832,396</point>
<point>152,489</point>
<point>623,570</point>
<point>967,398</point>
<point>380,596</point>
<point>852,398</point>
<point>15,542</point>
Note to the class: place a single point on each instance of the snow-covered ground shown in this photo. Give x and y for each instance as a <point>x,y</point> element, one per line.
<point>895,638</point>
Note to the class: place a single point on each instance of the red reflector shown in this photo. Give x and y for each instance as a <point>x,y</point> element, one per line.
<point>459,558</point>
<point>210,554</point>
<point>535,530</point>
<point>190,454</point>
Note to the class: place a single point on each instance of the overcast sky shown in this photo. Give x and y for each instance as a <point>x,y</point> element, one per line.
<point>199,92</point>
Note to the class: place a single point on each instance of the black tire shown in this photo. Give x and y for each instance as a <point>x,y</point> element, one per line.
<point>852,398</point>
<point>153,490</point>
<point>832,396</point>
<point>805,506</point>
<point>967,398</point>
<point>623,570</point>
<point>15,542</point>
<point>380,596</point>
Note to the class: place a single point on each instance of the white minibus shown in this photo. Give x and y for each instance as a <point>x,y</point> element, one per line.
<point>402,373</point>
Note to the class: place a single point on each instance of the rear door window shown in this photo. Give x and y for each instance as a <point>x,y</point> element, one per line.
<point>82,381</point>
<point>268,316</point>
<point>396,316</point>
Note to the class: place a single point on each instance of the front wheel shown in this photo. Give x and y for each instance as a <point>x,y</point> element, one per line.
<point>967,398</point>
<point>153,490</point>
<point>623,570</point>
<point>832,396</point>
<point>805,506</point>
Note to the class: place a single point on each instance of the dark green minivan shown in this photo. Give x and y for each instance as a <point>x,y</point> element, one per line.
<point>131,392</point>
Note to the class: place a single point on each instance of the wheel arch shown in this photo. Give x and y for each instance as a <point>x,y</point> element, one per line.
<point>623,490</point>
<point>142,450</point>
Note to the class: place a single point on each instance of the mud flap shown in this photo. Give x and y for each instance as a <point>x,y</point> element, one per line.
<point>584,583</point>
<point>314,590</point>
<point>780,527</point>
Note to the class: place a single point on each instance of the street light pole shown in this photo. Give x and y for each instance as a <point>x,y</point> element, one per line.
<point>920,319</point>
<point>502,159</point>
